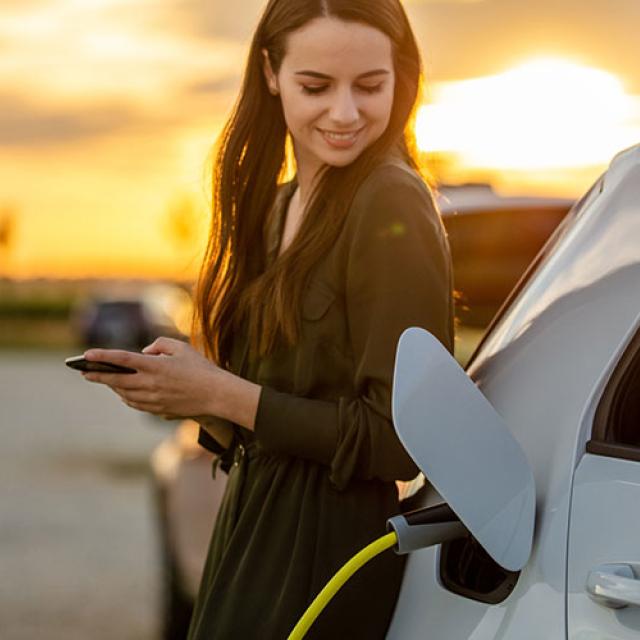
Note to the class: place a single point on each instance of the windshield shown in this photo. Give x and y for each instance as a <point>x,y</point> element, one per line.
<point>540,259</point>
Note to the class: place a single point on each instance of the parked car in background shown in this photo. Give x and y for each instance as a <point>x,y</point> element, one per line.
<point>187,499</point>
<point>132,320</point>
<point>493,239</point>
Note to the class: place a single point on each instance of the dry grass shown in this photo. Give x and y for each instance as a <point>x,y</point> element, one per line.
<point>36,333</point>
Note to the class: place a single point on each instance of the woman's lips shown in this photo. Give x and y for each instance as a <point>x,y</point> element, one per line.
<point>340,140</point>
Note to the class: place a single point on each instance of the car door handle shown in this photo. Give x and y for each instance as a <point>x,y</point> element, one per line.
<point>614,586</point>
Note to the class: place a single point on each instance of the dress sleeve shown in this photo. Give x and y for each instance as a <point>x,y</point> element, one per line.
<point>398,275</point>
<point>224,457</point>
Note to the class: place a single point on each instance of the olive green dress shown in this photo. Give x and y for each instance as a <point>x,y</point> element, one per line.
<point>314,483</point>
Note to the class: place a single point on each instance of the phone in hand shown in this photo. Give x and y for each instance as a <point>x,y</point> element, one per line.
<point>82,364</point>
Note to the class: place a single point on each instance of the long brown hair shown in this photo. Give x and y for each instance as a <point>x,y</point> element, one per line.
<point>251,160</point>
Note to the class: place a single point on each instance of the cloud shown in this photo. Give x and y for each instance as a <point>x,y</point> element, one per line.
<point>224,84</point>
<point>213,18</point>
<point>104,50</point>
<point>25,124</point>
<point>74,71</point>
<point>12,6</point>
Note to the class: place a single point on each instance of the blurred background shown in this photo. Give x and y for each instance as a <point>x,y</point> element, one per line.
<point>108,112</point>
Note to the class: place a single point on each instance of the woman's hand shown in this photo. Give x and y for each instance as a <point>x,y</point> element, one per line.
<point>174,381</point>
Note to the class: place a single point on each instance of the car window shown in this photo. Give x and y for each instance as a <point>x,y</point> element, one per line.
<point>616,429</point>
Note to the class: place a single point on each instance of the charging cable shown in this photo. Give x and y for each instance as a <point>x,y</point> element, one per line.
<point>408,532</point>
<point>335,584</point>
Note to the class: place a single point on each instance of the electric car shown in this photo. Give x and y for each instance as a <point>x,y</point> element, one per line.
<point>560,366</point>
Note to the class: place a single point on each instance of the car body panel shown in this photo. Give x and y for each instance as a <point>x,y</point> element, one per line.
<point>605,528</point>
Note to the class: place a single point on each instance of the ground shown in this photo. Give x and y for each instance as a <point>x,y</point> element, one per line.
<point>78,549</point>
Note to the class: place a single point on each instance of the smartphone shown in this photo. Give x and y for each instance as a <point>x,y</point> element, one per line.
<point>82,364</point>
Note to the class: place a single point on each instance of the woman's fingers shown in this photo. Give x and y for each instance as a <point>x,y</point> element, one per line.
<point>131,359</point>
<point>142,406</point>
<point>150,408</point>
<point>175,382</point>
<point>164,345</point>
<point>144,401</point>
<point>148,397</point>
<point>131,381</point>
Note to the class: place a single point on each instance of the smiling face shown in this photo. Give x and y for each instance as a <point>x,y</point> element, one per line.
<point>336,84</point>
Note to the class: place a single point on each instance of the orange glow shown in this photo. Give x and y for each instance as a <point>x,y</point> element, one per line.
<point>544,114</point>
<point>111,107</point>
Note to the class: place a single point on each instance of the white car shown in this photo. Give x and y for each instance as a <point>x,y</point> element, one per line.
<point>560,365</point>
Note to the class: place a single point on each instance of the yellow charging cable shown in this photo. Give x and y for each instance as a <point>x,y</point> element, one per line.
<point>334,585</point>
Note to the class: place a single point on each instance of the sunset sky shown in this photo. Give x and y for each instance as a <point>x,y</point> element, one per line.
<point>108,109</point>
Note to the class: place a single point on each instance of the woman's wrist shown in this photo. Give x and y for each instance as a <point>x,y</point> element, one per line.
<point>218,429</point>
<point>235,399</point>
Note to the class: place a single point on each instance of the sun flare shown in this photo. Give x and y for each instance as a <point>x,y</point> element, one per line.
<point>545,113</point>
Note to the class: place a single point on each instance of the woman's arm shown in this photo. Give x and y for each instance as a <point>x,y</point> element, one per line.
<point>234,399</point>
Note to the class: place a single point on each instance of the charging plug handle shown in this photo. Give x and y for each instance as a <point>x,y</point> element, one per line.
<point>425,527</point>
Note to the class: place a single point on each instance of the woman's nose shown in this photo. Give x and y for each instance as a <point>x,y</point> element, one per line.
<point>343,110</point>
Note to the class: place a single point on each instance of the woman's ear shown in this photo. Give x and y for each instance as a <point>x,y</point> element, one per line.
<point>272,80</point>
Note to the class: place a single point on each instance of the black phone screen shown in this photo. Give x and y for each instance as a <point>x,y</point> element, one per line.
<point>81,364</point>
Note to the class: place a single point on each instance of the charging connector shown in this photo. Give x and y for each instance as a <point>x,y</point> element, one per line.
<point>425,527</point>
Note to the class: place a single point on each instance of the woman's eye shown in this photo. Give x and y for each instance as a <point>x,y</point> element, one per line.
<point>313,90</point>
<point>319,89</point>
<point>373,89</point>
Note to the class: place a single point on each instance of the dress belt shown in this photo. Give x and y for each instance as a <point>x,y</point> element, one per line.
<point>244,450</point>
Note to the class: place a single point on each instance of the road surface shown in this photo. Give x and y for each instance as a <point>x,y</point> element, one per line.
<point>79,552</point>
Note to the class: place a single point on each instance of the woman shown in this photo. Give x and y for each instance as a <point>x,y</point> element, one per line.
<point>303,294</point>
